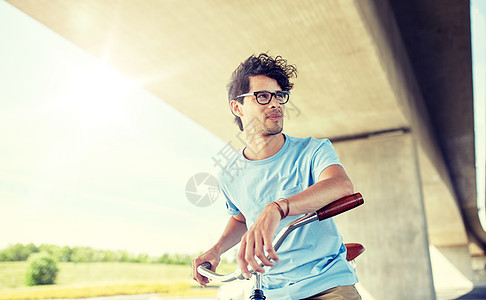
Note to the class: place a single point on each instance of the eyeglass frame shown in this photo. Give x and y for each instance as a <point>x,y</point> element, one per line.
<point>272,95</point>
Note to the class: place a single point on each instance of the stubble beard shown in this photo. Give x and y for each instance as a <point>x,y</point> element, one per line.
<point>274,130</point>
<point>258,127</point>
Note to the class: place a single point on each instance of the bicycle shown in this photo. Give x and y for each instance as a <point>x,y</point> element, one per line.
<point>335,208</point>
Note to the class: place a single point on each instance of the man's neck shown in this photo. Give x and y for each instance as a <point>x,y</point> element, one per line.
<point>263,146</point>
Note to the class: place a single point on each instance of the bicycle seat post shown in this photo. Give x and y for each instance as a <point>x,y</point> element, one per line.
<point>257,291</point>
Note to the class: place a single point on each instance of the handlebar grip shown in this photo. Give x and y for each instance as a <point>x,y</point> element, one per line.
<point>206,265</point>
<point>339,206</point>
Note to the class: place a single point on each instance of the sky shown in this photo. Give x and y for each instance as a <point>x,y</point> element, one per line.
<point>89,158</point>
<point>478,30</point>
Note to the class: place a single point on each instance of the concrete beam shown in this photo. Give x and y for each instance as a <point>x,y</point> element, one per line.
<point>439,193</point>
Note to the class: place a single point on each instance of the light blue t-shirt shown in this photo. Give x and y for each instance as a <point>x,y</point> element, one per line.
<point>313,257</point>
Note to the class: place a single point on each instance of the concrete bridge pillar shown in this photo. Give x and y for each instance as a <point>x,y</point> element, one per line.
<point>391,224</point>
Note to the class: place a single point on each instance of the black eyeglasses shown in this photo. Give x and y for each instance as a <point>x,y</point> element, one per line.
<point>264,97</point>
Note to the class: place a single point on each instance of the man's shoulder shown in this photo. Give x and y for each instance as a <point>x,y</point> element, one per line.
<point>308,142</point>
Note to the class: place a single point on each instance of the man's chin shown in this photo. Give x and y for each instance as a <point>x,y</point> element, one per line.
<point>273,131</point>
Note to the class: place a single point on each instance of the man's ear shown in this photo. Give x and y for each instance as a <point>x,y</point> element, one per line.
<point>236,108</point>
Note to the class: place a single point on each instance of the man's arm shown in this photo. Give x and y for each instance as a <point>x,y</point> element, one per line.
<point>333,184</point>
<point>231,236</point>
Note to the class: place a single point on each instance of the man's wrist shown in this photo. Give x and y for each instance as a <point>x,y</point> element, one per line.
<point>287,211</point>
<point>217,248</point>
<point>280,210</point>
<point>277,204</point>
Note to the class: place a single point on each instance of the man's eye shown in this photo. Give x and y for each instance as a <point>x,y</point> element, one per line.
<point>279,95</point>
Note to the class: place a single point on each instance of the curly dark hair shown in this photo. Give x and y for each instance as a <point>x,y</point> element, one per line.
<point>263,64</point>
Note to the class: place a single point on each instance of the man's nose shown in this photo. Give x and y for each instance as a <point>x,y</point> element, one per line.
<point>274,102</point>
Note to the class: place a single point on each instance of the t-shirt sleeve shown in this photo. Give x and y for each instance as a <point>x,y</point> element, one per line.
<point>323,157</point>
<point>230,206</point>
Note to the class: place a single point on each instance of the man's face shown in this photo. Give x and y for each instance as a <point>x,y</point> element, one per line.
<point>262,119</point>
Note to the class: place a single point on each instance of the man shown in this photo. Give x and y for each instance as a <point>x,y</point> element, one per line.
<point>282,179</point>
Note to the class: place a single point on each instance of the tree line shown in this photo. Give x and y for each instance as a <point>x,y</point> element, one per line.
<point>20,252</point>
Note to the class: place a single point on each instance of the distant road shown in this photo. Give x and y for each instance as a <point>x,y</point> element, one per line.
<point>150,297</point>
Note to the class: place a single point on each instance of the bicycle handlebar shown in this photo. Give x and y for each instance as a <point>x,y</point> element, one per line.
<point>339,206</point>
<point>334,208</point>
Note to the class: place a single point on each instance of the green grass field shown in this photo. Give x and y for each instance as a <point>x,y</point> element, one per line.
<point>77,280</point>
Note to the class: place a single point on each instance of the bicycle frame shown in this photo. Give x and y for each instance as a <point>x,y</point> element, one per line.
<point>337,207</point>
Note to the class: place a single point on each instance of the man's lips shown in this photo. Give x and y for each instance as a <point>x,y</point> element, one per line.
<point>274,116</point>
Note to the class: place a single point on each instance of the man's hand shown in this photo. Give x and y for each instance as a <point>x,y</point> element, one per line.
<point>257,239</point>
<point>211,256</point>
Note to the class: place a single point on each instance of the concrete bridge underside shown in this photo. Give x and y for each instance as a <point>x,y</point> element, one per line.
<point>374,75</point>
